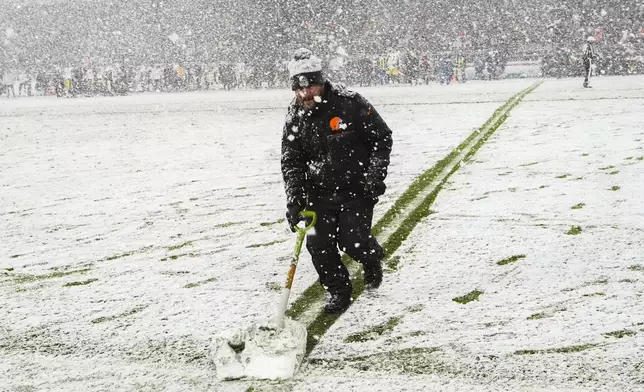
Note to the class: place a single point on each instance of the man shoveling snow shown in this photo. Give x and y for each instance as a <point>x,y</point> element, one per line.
<point>335,154</point>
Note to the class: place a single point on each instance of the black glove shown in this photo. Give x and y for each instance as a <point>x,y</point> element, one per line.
<point>374,189</point>
<point>293,216</point>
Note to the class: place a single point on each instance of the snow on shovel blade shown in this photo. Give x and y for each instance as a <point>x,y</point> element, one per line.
<point>259,351</point>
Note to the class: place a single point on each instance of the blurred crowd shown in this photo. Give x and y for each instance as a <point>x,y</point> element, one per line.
<point>122,78</point>
<point>71,47</point>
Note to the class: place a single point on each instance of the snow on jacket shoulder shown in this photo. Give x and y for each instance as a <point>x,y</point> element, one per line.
<point>330,151</point>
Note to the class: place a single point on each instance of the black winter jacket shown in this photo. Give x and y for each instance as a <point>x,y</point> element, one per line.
<point>329,153</point>
<point>589,52</point>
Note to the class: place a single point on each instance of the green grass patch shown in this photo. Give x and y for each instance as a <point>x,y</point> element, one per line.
<point>127,254</point>
<point>374,332</point>
<point>574,230</point>
<point>119,256</point>
<point>615,188</point>
<point>538,316</point>
<point>175,257</point>
<point>175,247</point>
<point>627,281</point>
<point>200,283</point>
<point>584,154</point>
<point>411,361</point>
<point>427,177</point>
<point>399,236</point>
<point>393,262</point>
<point>14,256</point>
<point>560,350</point>
<point>613,172</point>
<point>636,267</point>
<point>640,158</point>
<point>564,175</point>
<point>543,186</point>
<point>596,282</point>
<point>606,167</point>
<point>83,283</point>
<point>417,186</point>
<point>194,198</point>
<point>122,315</point>
<point>174,273</point>
<point>578,206</point>
<point>274,286</point>
<point>415,308</point>
<point>529,164</point>
<point>9,269</point>
<point>619,334</point>
<point>469,297</point>
<point>494,324</point>
<point>511,259</point>
<point>266,244</point>
<point>58,274</point>
<point>229,224</point>
<point>598,294</point>
<point>281,220</point>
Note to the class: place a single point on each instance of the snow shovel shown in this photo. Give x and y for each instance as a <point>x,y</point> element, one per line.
<point>265,351</point>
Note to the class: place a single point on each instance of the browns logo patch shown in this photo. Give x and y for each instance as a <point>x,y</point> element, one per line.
<point>335,123</point>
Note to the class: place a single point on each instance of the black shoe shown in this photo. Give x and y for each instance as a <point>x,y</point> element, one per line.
<point>337,304</point>
<point>372,276</point>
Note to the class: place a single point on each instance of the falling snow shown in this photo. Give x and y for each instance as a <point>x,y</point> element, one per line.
<point>142,204</point>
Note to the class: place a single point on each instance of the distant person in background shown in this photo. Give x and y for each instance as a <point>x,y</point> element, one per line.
<point>490,61</point>
<point>99,77</point>
<point>8,80</point>
<point>89,81</point>
<point>67,81</point>
<point>460,68</point>
<point>445,70</point>
<point>77,81</point>
<point>109,81</point>
<point>588,56</point>
<point>59,82</point>
<point>156,76</point>
<point>226,75</point>
<point>479,67</point>
<point>41,82</point>
<point>168,78</point>
<point>180,78</point>
<point>426,69</point>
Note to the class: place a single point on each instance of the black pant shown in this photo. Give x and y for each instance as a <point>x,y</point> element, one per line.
<point>587,69</point>
<point>348,228</point>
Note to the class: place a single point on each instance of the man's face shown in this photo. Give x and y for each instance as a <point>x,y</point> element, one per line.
<point>306,95</point>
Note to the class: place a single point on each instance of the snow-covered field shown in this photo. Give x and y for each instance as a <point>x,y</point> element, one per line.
<point>567,314</point>
<point>133,229</point>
